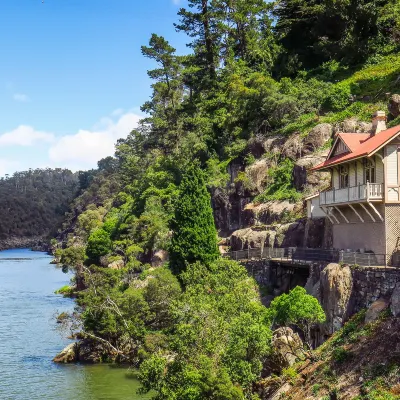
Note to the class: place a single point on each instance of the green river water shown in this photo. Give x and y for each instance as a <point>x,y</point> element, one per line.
<point>29,338</point>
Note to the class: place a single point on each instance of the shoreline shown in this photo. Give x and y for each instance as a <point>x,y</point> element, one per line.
<point>36,243</point>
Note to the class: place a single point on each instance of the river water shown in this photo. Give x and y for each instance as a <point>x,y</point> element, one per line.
<point>29,338</point>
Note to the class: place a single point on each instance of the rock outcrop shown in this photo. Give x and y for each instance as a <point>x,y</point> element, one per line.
<point>67,355</point>
<point>317,138</point>
<point>353,125</point>
<point>117,264</point>
<point>302,177</point>
<point>375,309</point>
<point>394,105</point>
<point>287,348</point>
<point>336,284</point>
<point>302,233</point>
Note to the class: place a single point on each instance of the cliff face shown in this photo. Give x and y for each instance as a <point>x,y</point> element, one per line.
<point>236,206</point>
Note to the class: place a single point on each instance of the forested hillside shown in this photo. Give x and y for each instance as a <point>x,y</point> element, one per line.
<point>33,203</point>
<point>265,85</point>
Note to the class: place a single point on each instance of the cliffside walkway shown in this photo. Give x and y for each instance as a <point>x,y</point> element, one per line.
<point>296,256</point>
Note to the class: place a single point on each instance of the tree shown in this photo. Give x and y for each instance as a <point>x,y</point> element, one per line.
<point>299,309</point>
<point>99,244</point>
<point>194,234</point>
<point>200,24</point>
<point>313,32</point>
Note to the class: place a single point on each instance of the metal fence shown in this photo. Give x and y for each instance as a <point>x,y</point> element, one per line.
<point>297,255</point>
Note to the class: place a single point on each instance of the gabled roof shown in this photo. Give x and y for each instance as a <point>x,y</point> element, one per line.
<point>360,145</point>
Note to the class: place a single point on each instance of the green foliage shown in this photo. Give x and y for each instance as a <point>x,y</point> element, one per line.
<point>220,338</point>
<point>99,244</point>
<point>66,291</point>
<point>281,186</point>
<point>340,355</point>
<point>290,374</point>
<point>33,203</point>
<point>72,256</point>
<point>297,308</point>
<point>348,31</point>
<point>338,98</point>
<point>194,234</point>
<point>316,388</point>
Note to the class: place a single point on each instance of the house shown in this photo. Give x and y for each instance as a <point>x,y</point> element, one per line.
<point>314,210</point>
<point>363,202</point>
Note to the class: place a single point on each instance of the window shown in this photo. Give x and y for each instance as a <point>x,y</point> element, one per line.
<point>344,176</point>
<point>369,172</point>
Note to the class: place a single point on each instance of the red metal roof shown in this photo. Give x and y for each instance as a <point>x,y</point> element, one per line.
<point>361,145</point>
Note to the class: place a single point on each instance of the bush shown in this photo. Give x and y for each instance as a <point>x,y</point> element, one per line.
<point>338,98</point>
<point>99,244</point>
<point>281,186</point>
<point>341,355</point>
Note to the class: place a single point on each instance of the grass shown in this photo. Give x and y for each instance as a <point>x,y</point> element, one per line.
<point>66,291</point>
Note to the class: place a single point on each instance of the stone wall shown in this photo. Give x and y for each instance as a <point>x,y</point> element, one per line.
<point>371,284</point>
<point>341,290</point>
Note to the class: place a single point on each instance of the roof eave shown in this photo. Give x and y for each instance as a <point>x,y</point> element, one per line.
<point>326,167</point>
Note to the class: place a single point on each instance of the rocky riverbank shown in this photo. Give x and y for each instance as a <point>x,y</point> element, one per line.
<point>36,243</point>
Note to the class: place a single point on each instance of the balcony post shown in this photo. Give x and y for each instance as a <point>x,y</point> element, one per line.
<point>334,197</point>
<point>348,193</point>
<point>368,191</point>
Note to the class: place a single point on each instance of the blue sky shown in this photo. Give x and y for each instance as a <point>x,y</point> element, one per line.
<point>72,77</point>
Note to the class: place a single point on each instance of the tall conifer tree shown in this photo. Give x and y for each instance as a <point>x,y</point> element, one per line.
<point>194,234</point>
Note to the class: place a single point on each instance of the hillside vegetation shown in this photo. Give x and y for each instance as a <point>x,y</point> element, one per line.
<point>359,362</point>
<point>257,72</point>
<point>33,203</point>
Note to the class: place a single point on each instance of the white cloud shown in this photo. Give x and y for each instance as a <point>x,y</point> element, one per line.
<point>117,112</point>
<point>23,98</point>
<point>25,136</point>
<point>7,166</point>
<point>176,2</point>
<point>83,149</point>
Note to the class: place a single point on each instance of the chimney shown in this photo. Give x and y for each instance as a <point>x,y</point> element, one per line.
<point>378,122</point>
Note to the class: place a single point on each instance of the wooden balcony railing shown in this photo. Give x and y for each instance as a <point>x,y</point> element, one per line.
<point>366,192</point>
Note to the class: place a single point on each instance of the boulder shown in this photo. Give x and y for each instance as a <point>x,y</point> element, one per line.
<point>257,173</point>
<point>302,176</point>
<point>336,284</point>
<point>274,144</point>
<point>394,105</point>
<point>375,309</point>
<point>248,238</point>
<point>67,355</point>
<point>317,137</point>
<point>117,264</point>
<point>395,301</point>
<point>290,235</point>
<point>287,348</point>
<point>353,125</point>
<point>293,147</point>
<point>270,212</point>
<point>159,258</point>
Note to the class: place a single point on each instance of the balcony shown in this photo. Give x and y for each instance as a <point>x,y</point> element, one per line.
<point>360,193</point>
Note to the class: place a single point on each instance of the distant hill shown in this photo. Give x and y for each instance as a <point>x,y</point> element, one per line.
<point>33,203</point>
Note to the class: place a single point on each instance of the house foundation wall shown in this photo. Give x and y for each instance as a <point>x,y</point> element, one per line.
<point>369,236</point>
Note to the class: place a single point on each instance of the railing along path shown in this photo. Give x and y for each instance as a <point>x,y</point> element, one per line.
<point>306,256</point>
